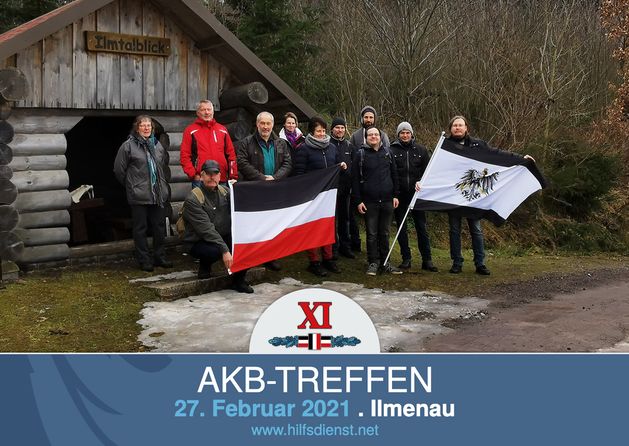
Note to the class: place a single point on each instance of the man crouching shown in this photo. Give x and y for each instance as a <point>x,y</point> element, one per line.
<point>206,213</point>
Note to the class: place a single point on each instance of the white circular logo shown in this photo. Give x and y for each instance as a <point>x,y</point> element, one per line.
<point>314,320</point>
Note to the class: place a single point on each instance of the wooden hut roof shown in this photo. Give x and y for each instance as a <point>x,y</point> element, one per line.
<point>198,22</point>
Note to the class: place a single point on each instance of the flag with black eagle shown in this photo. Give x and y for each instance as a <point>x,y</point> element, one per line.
<point>476,182</point>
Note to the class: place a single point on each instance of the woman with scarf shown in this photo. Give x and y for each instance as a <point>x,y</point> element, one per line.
<point>318,153</point>
<point>141,166</point>
<point>291,133</point>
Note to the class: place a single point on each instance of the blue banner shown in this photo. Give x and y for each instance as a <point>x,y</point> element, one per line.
<point>234,399</point>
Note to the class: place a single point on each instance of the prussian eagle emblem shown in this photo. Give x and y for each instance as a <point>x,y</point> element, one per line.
<point>475,184</point>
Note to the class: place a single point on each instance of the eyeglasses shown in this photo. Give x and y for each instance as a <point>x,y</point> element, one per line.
<point>145,126</point>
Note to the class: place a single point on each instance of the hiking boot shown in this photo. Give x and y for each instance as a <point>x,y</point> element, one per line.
<point>428,266</point>
<point>482,270</point>
<point>406,264</point>
<point>242,287</point>
<point>331,266</point>
<point>163,263</point>
<point>273,265</point>
<point>347,253</point>
<point>316,269</point>
<point>203,274</point>
<point>389,269</point>
<point>146,267</point>
<point>372,269</point>
<point>456,269</point>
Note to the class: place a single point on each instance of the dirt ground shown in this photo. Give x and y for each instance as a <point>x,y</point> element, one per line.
<point>577,312</point>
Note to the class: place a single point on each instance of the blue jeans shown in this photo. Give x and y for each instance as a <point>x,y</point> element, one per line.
<point>378,220</point>
<point>455,240</point>
<point>419,218</point>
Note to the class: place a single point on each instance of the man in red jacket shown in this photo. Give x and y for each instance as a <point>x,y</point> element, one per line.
<point>206,139</point>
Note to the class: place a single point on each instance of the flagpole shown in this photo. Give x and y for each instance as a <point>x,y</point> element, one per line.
<point>412,203</point>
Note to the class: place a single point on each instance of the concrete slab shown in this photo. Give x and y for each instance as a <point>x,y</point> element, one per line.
<point>181,284</point>
<point>222,321</point>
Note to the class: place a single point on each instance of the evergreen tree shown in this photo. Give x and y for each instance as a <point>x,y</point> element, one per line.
<point>15,12</point>
<point>279,34</point>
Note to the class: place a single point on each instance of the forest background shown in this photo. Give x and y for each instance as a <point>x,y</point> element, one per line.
<point>547,78</point>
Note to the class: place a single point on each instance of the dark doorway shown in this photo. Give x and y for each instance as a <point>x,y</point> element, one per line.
<point>92,147</point>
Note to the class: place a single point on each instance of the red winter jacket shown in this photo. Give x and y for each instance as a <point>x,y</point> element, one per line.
<point>212,142</point>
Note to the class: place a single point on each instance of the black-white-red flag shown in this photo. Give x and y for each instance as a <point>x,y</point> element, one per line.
<point>274,219</point>
<point>476,182</point>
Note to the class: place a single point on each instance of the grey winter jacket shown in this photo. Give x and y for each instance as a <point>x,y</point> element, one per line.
<point>210,221</point>
<point>131,168</point>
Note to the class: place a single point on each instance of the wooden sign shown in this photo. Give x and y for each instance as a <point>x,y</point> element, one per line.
<point>127,43</point>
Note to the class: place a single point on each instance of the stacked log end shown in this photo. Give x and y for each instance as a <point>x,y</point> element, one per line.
<point>34,196</point>
<point>11,247</point>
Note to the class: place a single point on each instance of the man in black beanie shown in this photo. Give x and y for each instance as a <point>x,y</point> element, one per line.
<point>368,117</point>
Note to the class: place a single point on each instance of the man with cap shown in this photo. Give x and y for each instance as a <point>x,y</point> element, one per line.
<point>367,119</point>
<point>411,160</point>
<point>206,213</point>
<point>347,231</point>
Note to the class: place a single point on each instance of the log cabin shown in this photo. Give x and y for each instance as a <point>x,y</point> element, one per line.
<point>71,83</point>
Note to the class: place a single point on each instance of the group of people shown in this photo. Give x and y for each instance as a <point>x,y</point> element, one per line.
<point>378,180</point>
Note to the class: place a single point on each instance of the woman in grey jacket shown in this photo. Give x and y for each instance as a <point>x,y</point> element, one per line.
<point>141,166</point>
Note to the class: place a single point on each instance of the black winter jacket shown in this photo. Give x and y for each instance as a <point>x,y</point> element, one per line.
<point>374,176</point>
<point>251,159</point>
<point>346,154</point>
<point>311,158</point>
<point>411,160</point>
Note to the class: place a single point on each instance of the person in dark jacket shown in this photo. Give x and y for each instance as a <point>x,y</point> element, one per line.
<point>348,234</point>
<point>141,166</point>
<point>459,133</point>
<point>375,188</point>
<point>260,155</point>
<point>411,160</point>
<point>317,153</point>
<point>263,157</point>
<point>368,117</point>
<point>208,226</point>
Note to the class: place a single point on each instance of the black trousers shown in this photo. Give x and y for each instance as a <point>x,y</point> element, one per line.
<point>145,217</point>
<point>208,253</point>
<point>378,221</point>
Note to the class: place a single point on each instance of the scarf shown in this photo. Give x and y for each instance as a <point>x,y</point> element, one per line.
<point>149,148</point>
<point>318,143</point>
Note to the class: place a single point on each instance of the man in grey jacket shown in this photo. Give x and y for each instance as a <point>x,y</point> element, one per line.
<point>208,225</point>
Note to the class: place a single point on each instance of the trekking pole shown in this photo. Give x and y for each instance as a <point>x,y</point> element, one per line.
<point>412,203</point>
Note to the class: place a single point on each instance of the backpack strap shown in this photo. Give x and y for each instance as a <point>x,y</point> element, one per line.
<point>199,194</point>
<point>222,190</point>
